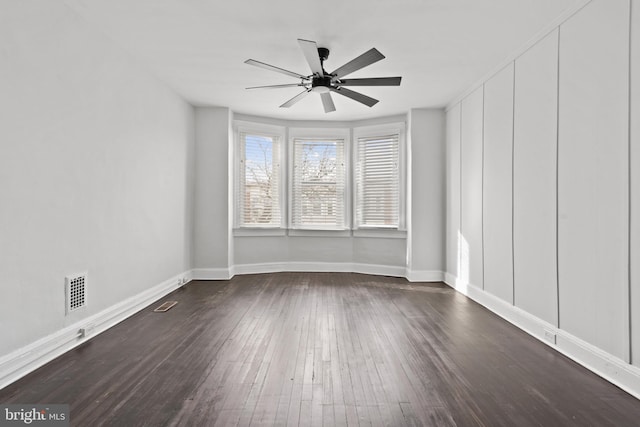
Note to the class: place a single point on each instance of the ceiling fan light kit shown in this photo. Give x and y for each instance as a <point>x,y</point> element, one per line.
<point>324,83</point>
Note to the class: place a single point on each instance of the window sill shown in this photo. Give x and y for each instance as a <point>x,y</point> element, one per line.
<point>257,231</point>
<point>379,233</point>
<point>383,233</point>
<point>319,233</point>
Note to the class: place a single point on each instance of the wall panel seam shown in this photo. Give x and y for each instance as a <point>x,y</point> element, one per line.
<point>458,240</point>
<point>513,138</point>
<point>482,186</point>
<point>558,183</point>
<point>629,189</point>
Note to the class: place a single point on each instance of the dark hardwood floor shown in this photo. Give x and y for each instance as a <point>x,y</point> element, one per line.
<point>330,349</point>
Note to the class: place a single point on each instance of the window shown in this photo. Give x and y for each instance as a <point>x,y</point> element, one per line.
<point>318,188</point>
<point>258,201</point>
<point>378,181</point>
<point>314,181</point>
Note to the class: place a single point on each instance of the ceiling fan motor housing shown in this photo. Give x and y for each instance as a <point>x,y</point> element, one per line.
<point>323,53</point>
<point>321,81</point>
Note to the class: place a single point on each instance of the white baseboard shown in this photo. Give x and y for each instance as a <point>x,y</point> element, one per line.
<point>340,267</point>
<point>19,363</point>
<point>212,273</point>
<point>609,367</point>
<point>424,275</point>
<point>346,267</point>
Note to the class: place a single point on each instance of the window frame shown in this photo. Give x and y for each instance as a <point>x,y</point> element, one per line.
<point>330,133</point>
<point>377,130</point>
<point>271,131</point>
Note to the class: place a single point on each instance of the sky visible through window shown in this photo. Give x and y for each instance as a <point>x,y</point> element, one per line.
<point>318,161</point>
<point>258,158</point>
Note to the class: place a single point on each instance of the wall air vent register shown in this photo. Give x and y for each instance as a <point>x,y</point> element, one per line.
<point>75,289</point>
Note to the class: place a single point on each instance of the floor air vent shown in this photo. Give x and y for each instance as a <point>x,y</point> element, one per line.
<point>165,306</point>
<point>75,288</point>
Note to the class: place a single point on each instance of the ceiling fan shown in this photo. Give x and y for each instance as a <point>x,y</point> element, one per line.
<point>324,83</point>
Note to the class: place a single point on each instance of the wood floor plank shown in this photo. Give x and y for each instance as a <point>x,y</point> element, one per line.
<point>339,416</point>
<point>322,349</point>
<point>352,415</point>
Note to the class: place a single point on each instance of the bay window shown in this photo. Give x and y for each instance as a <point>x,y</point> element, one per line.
<point>326,179</point>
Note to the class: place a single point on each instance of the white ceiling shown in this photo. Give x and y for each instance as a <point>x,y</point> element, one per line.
<point>439,47</point>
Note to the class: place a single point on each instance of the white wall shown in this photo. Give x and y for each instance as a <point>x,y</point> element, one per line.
<point>94,172</point>
<point>573,182</point>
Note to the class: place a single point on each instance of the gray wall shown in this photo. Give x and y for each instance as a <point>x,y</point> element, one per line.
<point>418,255</point>
<point>427,191</point>
<point>211,233</point>
<point>452,241</point>
<point>95,164</point>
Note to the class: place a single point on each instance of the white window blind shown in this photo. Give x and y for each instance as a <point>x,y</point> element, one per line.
<point>258,189</point>
<point>378,181</point>
<point>318,184</point>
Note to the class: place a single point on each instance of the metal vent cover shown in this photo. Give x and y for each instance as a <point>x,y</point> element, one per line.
<point>75,289</point>
<point>165,306</point>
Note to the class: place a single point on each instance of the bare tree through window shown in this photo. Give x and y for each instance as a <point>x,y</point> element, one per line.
<point>318,182</point>
<point>259,180</point>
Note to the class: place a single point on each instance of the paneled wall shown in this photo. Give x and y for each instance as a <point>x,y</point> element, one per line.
<point>498,184</point>
<point>471,189</point>
<point>535,139</point>
<point>549,190</point>
<point>593,175</point>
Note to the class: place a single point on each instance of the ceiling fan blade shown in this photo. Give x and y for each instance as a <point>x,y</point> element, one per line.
<point>274,68</point>
<point>276,86</point>
<point>374,81</point>
<point>367,58</point>
<point>327,102</point>
<point>295,99</point>
<point>356,96</point>
<point>310,50</point>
